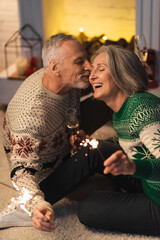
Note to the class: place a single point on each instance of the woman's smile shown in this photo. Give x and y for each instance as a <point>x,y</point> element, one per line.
<point>97,86</point>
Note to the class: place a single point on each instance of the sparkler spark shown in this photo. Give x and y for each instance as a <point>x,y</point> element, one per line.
<point>92,142</point>
<point>94,145</point>
<point>24,196</point>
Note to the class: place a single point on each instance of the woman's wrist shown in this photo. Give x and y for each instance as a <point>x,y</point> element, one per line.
<point>132,169</point>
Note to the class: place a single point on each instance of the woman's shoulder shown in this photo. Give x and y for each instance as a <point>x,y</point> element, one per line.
<point>144,109</point>
<point>144,98</point>
<point>139,104</point>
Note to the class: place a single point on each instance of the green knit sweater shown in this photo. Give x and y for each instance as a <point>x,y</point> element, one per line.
<point>137,125</point>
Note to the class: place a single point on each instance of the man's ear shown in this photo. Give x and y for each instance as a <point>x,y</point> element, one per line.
<point>54,66</point>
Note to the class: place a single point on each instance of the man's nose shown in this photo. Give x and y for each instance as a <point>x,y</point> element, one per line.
<point>87,65</point>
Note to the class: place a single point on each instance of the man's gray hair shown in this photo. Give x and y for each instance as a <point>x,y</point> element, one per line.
<point>126,69</point>
<point>51,47</point>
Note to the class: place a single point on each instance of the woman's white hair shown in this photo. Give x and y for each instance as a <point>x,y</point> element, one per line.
<point>126,69</point>
<point>52,46</point>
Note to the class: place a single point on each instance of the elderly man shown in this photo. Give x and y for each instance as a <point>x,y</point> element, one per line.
<point>35,136</point>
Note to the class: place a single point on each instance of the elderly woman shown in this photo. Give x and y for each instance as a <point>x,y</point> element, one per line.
<point>119,79</point>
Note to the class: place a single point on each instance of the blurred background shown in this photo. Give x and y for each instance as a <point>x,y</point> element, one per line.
<point>26,24</point>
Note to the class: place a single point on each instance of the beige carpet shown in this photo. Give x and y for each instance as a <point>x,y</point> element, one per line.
<point>67,225</point>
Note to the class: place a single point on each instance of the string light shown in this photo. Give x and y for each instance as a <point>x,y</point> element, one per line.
<point>104,37</point>
<point>81,29</point>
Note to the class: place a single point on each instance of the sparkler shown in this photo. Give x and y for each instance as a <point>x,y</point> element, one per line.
<point>93,143</point>
<point>24,196</point>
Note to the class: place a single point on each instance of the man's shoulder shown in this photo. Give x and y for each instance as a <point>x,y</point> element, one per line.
<point>32,80</point>
<point>28,89</point>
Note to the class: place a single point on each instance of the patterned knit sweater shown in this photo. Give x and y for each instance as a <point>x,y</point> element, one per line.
<point>137,124</point>
<point>35,135</point>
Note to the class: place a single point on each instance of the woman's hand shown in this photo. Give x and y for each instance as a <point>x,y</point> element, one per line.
<point>118,163</point>
<point>75,140</point>
<point>43,219</point>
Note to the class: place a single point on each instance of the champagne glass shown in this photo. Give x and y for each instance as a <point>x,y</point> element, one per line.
<point>72,121</point>
<point>72,124</point>
<point>140,47</point>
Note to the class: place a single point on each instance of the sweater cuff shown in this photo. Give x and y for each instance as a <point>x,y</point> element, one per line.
<point>143,169</point>
<point>42,204</point>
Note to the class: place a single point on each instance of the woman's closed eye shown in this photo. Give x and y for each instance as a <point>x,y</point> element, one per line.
<point>98,69</point>
<point>101,69</point>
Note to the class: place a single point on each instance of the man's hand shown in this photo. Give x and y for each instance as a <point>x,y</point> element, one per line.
<point>42,219</point>
<point>118,163</point>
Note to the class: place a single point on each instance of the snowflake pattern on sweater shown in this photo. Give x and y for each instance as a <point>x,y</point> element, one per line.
<point>35,135</point>
<point>137,125</point>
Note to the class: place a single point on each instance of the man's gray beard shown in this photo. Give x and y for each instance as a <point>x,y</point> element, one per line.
<point>82,85</point>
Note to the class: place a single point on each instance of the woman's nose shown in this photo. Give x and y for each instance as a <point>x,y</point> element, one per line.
<point>92,74</point>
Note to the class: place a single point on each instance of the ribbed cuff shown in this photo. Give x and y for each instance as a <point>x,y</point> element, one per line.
<point>143,168</point>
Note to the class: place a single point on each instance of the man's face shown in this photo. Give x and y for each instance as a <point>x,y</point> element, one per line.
<point>74,66</point>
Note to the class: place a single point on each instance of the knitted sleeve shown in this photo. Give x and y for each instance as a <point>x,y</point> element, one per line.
<point>35,136</point>
<point>147,159</point>
<point>25,165</point>
<point>28,158</point>
<point>148,169</point>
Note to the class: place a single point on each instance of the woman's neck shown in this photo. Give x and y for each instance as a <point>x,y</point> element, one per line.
<point>116,103</point>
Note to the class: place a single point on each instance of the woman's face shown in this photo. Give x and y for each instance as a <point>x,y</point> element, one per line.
<point>101,80</point>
